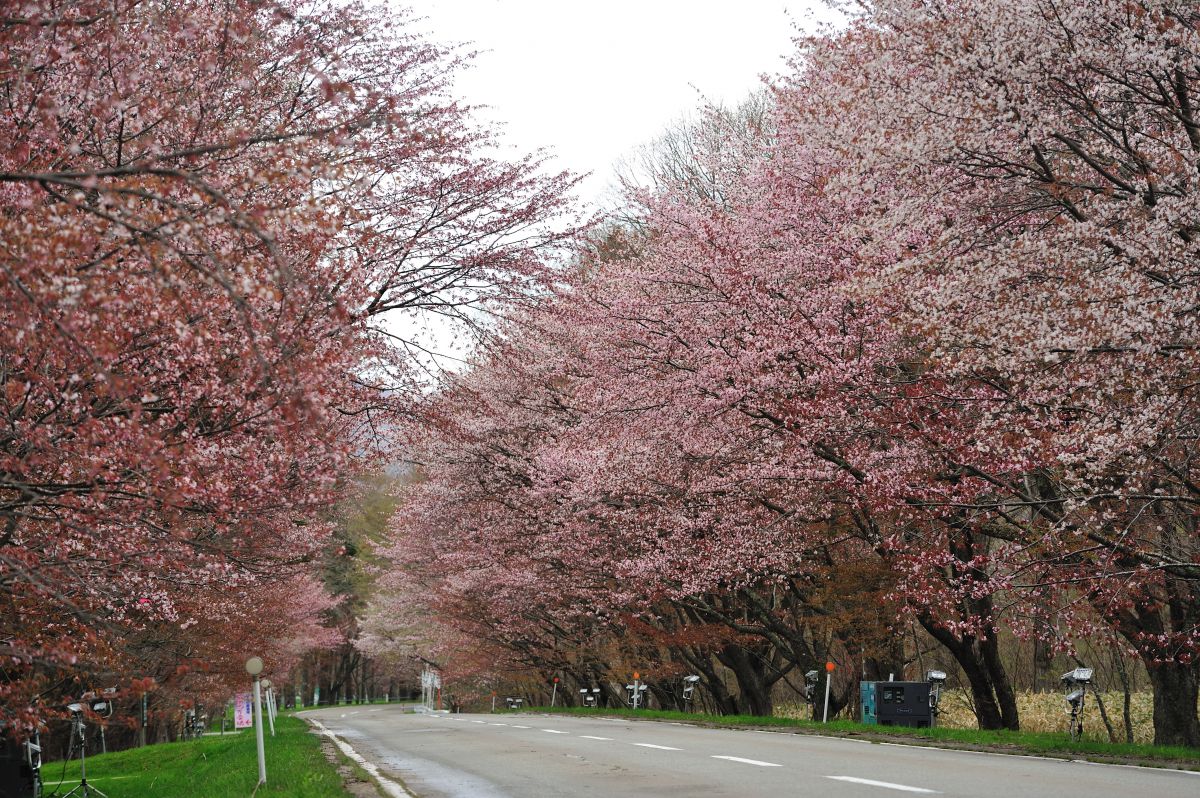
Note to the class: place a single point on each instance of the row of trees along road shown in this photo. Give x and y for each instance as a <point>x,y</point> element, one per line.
<point>206,211</point>
<point>924,340</point>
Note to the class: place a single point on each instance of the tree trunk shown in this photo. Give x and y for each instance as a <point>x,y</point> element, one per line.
<point>991,689</point>
<point>723,702</point>
<point>754,687</point>
<point>1006,697</point>
<point>1123,673</point>
<point>1176,685</point>
<point>1176,689</point>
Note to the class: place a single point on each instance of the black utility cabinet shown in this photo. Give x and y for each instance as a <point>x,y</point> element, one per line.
<point>896,703</point>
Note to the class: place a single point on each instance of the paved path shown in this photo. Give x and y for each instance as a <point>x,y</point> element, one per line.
<point>531,756</point>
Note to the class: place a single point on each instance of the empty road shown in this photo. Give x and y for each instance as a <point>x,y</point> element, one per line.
<point>531,756</point>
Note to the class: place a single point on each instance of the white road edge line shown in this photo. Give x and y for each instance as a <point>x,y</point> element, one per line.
<point>889,785</point>
<point>590,737</point>
<point>1029,756</point>
<point>659,747</point>
<point>748,761</point>
<point>392,788</point>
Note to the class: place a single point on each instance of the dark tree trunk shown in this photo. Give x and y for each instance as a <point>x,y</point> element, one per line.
<point>664,696</point>
<point>723,702</point>
<point>1176,689</point>
<point>1006,697</point>
<point>714,686</point>
<point>753,685</point>
<point>1176,684</point>
<point>991,689</point>
<point>978,656</point>
<point>607,699</point>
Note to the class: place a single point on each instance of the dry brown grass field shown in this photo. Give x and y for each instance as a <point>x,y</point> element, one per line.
<point>1046,712</point>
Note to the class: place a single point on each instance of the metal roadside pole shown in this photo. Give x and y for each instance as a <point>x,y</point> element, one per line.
<point>636,690</point>
<point>254,667</point>
<point>142,724</point>
<point>554,691</point>
<point>266,683</point>
<point>828,680</point>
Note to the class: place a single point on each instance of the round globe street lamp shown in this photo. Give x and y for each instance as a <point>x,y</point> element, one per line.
<point>254,667</point>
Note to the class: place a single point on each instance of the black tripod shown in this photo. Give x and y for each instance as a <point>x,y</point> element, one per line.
<point>83,789</point>
<point>1075,703</point>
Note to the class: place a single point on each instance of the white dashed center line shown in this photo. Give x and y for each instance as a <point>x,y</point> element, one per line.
<point>887,784</point>
<point>554,731</point>
<point>748,761</point>
<point>590,737</point>
<point>515,726</point>
<point>497,724</point>
<point>659,747</point>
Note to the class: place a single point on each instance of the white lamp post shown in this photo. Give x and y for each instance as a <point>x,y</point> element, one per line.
<point>254,667</point>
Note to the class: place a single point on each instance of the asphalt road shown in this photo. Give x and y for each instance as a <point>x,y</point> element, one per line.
<point>531,756</point>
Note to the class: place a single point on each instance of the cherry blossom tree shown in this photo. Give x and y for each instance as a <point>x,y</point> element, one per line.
<point>940,319</point>
<point>207,211</point>
<point>1034,168</point>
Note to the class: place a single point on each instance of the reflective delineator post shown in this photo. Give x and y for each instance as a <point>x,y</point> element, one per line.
<point>828,681</point>
<point>254,667</point>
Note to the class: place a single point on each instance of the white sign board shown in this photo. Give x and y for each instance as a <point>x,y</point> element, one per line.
<point>243,711</point>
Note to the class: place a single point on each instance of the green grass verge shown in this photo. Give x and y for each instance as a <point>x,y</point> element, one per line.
<point>1038,743</point>
<point>214,766</point>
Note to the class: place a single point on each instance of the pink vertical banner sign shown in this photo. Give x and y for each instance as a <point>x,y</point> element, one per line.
<point>243,711</point>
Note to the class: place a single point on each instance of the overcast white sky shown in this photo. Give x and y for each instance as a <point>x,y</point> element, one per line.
<point>593,80</point>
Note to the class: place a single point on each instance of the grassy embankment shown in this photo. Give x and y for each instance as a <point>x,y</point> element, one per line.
<point>1054,744</point>
<point>215,766</point>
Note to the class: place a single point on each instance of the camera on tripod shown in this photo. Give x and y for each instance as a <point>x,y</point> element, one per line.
<point>100,705</point>
<point>1079,677</point>
<point>810,686</point>
<point>1077,682</point>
